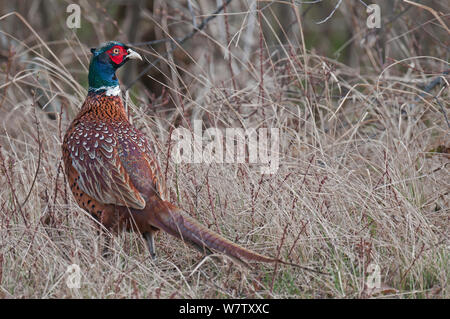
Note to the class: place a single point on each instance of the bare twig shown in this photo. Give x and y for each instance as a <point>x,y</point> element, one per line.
<point>432,11</point>
<point>179,42</point>
<point>331,14</point>
<point>435,82</point>
<point>39,159</point>
<point>191,11</point>
<point>443,111</point>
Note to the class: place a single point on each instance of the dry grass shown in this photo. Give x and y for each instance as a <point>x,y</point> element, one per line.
<point>363,175</point>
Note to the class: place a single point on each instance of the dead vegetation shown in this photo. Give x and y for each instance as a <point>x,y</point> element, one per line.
<point>363,179</point>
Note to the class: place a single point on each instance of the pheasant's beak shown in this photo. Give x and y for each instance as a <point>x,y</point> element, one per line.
<point>133,55</point>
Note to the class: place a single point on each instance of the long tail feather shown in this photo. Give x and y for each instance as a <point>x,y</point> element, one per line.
<point>175,222</point>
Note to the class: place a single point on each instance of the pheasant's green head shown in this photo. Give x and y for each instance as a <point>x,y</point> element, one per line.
<point>105,61</point>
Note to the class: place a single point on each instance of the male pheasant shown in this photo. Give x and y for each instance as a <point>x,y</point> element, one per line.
<point>112,170</point>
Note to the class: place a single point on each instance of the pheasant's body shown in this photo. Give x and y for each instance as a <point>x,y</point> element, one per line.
<point>108,162</point>
<point>114,175</point>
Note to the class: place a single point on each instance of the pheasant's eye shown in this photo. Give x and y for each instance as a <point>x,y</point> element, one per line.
<point>116,51</point>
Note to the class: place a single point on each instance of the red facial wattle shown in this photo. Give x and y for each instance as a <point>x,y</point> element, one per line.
<point>117,54</point>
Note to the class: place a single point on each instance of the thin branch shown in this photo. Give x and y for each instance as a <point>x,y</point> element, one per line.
<point>179,42</point>
<point>331,14</point>
<point>191,11</point>
<point>443,111</point>
<point>39,159</point>
<point>435,82</point>
<point>432,11</point>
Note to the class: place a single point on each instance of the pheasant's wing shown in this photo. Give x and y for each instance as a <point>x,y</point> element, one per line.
<point>139,160</point>
<point>95,154</point>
